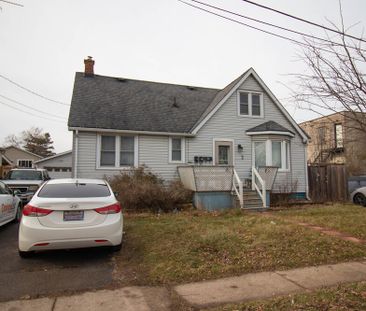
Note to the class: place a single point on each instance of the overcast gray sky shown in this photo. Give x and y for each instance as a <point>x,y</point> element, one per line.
<point>44,43</point>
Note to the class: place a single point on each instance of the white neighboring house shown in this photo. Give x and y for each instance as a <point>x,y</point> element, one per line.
<point>120,123</point>
<point>58,165</point>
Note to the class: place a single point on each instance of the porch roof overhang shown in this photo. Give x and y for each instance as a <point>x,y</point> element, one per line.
<point>271,133</point>
<point>270,128</point>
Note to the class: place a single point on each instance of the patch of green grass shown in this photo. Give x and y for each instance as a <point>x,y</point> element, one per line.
<point>185,247</point>
<point>342,297</point>
<point>346,218</point>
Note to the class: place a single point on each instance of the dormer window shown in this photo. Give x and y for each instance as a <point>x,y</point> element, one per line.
<point>250,104</point>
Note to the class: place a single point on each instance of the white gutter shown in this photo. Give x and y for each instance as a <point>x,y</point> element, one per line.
<point>101,130</point>
<point>75,173</point>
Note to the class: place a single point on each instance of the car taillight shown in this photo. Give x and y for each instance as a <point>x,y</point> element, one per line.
<point>33,211</point>
<point>110,209</point>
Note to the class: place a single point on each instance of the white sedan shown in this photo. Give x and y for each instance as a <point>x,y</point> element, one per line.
<point>71,213</point>
<point>359,196</point>
<point>10,205</point>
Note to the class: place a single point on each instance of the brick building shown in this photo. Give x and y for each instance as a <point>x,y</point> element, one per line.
<point>337,139</point>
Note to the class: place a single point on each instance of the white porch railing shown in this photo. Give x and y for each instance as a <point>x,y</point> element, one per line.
<point>238,188</point>
<point>260,185</point>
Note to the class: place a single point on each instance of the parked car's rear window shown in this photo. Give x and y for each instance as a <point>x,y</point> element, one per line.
<point>74,191</point>
<point>25,175</point>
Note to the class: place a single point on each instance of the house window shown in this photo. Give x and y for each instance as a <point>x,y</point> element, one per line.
<point>276,153</point>
<point>338,134</point>
<point>116,151</point>
<point>250,104</point>
<point>244,103</point>
<point>176,149</point>
<point>272,153</point>
<point>127,151</point>
<point>260,154</point>
<point>321,134</point>
<point>25,163</point>
<point>108,151</point>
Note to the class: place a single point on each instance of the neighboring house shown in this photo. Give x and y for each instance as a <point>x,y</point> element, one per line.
<point>58,165</point>
<point>120,123</point>
<point>5,163</point>
<point>335,139</point>
<point>18,158</point>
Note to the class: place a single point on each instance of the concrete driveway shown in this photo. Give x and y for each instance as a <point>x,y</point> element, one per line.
<point>53,273</point>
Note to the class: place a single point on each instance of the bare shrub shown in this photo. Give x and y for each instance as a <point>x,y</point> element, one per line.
<point>141,190</point>
<point>284,195</point>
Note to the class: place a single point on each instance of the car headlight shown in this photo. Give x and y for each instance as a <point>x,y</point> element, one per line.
<point>32,188</point>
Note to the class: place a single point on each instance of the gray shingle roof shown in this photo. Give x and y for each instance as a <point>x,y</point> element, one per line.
<point>125,104</point>
<point>269,126</point>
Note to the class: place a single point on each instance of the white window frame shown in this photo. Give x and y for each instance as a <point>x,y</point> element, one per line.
<point>250,93</point>
<point>182,146</point>
<point>214,140</point>
<point>285,153</point>
<point>20,160</point>
<point>336,140</point>
<point>117,152</point>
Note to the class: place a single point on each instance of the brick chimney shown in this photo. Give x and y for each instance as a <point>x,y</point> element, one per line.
<point>89,67</point>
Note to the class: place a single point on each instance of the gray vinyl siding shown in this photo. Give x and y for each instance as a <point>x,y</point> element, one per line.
<point>226,124</point>
<point>86,156</point>
<point>153,152</point>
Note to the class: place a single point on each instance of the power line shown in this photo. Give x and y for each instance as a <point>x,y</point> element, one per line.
<point>32,92</point>
<point>32,108</point>
<point>12,3</point>
<point>265,31</point>
<point>273,25</point>
<point>241,23</point>
<point>29,113</point>
<point>304,20</point>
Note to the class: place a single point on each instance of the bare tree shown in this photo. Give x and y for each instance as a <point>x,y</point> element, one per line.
<point>13,140</point>
<point>335,79</point>
<point>33,140</point>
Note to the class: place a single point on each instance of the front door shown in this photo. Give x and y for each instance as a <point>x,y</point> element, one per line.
<point>223,153</point>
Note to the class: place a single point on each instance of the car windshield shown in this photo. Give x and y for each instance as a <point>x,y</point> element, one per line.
<point>25,175</point>
<point>74,190</point>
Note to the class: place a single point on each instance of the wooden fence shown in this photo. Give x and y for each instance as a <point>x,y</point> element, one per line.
<point>328,182</point>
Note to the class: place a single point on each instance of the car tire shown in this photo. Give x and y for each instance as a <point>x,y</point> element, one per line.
<point>117,248</point>
<point>359,199</point>
<point>25,254</point>
<point>18,214</point>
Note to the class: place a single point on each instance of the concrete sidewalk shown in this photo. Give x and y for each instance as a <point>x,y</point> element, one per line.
<point>269,284</point>
<point>126,299</point>
<point>202,294</point>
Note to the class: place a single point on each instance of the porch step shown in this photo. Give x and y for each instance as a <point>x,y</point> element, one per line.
<point>251,200</point>
<point>255,209</point>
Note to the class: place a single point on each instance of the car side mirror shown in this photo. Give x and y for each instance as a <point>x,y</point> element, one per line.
<point>16,192</point>
<point>115,193</point>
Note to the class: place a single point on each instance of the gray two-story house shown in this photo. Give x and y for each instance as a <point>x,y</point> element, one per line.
<point>120,123</point>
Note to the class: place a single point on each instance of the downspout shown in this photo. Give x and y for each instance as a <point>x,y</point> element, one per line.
<point>76,153</point>
<point>306,173</point>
